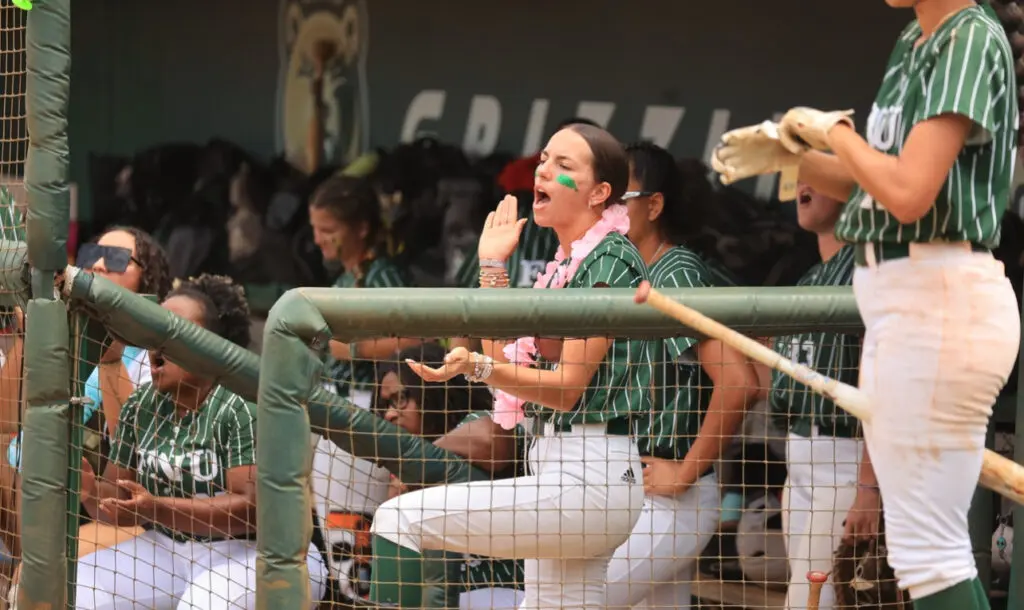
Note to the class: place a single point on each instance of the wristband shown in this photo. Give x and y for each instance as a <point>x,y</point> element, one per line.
<point>492,262</point>
<point>866,487</point>
<point>483,366</point>
<point>352,351</point>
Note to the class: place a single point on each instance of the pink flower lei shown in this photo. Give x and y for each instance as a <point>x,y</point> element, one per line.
<point>508,409</point>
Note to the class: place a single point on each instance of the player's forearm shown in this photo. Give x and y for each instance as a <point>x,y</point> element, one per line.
<point>723,419</point>
<point>230,514</point>
<point>827,174</point>
<point>559,389</point>
<point>383,349</point>
<point>490,347</point>
<point>882,176</point>
<point>866,476</point>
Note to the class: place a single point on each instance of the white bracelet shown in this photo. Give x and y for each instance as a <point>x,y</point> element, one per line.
<point>483,366</point>
<point>492,262</point>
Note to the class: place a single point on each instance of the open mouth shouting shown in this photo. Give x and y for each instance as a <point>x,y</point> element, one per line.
<point>540,197</point>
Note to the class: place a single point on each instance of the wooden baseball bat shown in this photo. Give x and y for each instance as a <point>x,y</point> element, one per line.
<point>1001,475</point>
<point>817,580</point>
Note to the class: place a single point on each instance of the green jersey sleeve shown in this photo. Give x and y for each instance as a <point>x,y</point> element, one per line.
<point>384,274</point>
<point>239,442</point>
<point>680,268</point>
<point>126,435</point>
<point>968,78</point>
<point>609,271</point>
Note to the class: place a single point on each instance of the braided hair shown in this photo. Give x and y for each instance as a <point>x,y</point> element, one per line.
<point>156,270</point>
<point>1011,16</point>
<point>225,309</point>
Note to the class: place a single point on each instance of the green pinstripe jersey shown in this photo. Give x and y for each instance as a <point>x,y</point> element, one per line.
<point>184,456</point>
<point>620,386</point>
<point>964,68</point>
<point>480,572</point>
<point>719,274</point>
<point>793,404</point>
<point>537,246</point>
<point>682,390</point>
<point>362,374</point>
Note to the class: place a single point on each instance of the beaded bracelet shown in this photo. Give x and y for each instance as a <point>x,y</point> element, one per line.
<point>492,279</point>
<point>483,366</point>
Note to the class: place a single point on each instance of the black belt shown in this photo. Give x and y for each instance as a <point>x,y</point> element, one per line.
<point>890,252</point>
<point>615,427</point>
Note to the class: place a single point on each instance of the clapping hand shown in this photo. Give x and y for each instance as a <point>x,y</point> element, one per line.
<point>501,231</point>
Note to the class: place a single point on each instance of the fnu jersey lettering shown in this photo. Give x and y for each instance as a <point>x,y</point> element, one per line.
<point>201,465</point>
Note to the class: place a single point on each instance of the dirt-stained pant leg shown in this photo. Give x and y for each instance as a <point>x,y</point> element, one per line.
<point>942,335</point>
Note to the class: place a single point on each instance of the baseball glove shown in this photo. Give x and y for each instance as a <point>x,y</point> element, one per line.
<point>863,579</point>
<point>751,151</point>
<point>802,127</point>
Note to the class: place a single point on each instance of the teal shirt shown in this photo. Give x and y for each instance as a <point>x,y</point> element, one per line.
<point>362,374</point>
<point>620,387</point>
<point>682,390</point>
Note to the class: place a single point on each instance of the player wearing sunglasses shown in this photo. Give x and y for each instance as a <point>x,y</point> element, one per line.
<point>134,260</point>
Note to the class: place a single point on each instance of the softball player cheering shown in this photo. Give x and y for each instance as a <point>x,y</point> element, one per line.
<point>925,192</point>
<point>823,451</point>
<point>687,428</point>
<point>182,465</point>
<point>582,499</point>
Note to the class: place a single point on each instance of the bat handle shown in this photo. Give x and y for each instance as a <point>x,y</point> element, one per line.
<point>817,580</point>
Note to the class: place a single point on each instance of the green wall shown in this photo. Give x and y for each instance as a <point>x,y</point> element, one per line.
<point>150,72</point>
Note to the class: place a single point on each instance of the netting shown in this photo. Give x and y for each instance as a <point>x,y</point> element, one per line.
<point>13,147</point>
<point>715,529</point>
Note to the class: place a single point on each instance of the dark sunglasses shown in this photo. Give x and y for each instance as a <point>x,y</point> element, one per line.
<point>635,194</point>
<point>116,258</point>
<point>397,401</point>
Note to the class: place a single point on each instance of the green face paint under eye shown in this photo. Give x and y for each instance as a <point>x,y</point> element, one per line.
<point>566,181</point>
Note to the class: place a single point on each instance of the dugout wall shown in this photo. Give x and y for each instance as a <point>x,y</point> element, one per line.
<point>290,402</point>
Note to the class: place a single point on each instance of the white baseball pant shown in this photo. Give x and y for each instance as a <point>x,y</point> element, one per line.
<point>343,482</point>
<point>154,572</point>
<point>491,599</point>
<point>565,520</point>
<point>819,492</point>
<point>656,566</point>
<point>943,331</point>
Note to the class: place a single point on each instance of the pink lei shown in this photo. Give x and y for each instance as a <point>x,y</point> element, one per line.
<point>508,409</point>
